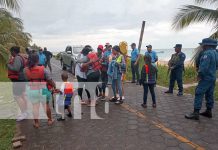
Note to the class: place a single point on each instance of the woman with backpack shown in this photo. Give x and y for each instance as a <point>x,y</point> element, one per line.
<point>148,80</point>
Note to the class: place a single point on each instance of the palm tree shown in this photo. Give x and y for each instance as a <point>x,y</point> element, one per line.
<point>11,33</point>
<point>11,4</point>
<point>190,14</point>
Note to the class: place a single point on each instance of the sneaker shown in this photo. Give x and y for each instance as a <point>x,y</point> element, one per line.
<point>22,116</point>
<point>60,119</point>
<point>133,82</point>
<point>123,98</point>
<point>118,102</point>
<point>113,99</point>
<point>69,115</point>
<point>168,92</point>
<point>180,94</point>
<point>144,105</point>
<point>154,105</point>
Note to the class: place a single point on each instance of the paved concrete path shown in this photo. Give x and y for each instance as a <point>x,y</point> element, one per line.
<point>128,127</point>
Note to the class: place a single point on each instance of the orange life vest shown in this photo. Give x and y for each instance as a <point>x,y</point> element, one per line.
<point>68,88</point>
<point>36,77</point>
<point>96,65</point>
<point>14,75</point>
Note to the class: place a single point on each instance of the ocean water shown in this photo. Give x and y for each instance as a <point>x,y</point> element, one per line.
<point>165,54</point>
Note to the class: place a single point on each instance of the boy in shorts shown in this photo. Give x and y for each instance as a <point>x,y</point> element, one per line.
<point>64,99</point>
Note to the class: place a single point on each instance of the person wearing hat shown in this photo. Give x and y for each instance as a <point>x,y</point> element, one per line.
<point>176,67</point>
<point>134,65</point>
<point>153,54</point>
<point>206,79</point>
<point>116,68</point>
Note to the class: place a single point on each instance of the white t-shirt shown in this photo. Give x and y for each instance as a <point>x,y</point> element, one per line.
<point>78,71</point>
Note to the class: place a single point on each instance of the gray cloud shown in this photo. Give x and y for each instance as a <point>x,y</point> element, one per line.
<point>81,21</point>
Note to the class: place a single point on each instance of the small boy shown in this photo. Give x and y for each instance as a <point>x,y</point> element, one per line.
<point>66,94</point>
<point>148,80</point>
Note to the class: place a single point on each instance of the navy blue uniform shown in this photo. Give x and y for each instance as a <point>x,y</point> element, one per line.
<point>177,67</point>
<point>207,75</point>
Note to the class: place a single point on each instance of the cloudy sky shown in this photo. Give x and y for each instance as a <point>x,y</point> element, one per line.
<point>58,23</point>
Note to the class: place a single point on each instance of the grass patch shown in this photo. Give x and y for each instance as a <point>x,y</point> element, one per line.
<point>191,90</point>
<point>7,129</point>
<point>7,126</point>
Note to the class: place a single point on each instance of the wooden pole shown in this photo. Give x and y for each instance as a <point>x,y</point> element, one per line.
<point>141,36</point>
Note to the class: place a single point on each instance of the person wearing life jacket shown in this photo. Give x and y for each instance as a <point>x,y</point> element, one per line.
<point>37,92</point>
<point>15,74</point>
<point>91,62</point>
<point>65,97</point>
<point>81,76</point>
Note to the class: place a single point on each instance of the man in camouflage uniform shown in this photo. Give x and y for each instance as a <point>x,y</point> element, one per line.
<point>176,67</point>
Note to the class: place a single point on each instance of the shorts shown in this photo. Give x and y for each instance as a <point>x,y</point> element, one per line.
<point>38,96</point>
<point>19,88</point>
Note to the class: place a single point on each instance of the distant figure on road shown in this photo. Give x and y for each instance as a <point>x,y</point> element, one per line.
<point>134,64</point>
<point>48,56</point>
<point>42,58</point>
<point>206,79</point>
<point>176,67</point>
<point>153,54</point>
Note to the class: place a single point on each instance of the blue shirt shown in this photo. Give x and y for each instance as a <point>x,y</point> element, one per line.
<point>107,53</point>
<point>153,55</point>
<point>134,54</point>
<point>42,59</point>
<point>207,67</point>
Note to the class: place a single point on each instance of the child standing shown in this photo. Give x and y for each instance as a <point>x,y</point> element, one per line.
<point>148,80</point>
<point>66,94</point>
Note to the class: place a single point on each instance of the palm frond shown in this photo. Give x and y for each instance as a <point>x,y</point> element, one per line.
<point>11,4</point>
<point>194,14</point>
<point>214,35</point>
<point>206,1</point>
<point>3,53</point>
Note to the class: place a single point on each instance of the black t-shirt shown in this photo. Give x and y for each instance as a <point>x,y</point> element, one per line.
<point>48,55</point>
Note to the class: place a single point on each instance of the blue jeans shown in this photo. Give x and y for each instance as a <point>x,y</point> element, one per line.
<point>204,88</point>
<point>117,85</point>
<point>176,75</point>
<point>151,88</point>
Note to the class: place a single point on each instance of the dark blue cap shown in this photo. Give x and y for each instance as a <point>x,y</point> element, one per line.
<point>116,48</point>
<point>209,41</point>
<point>178,46</point>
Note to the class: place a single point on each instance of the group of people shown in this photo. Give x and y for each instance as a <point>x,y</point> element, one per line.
<point>104,67</point>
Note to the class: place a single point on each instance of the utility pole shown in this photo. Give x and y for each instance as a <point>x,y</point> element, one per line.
<point>141,36</point>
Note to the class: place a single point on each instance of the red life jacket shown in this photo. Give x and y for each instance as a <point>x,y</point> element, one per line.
<point>14,75</point>
<point>68,88</point>
<point>96,65</point>
<point>36,77</point>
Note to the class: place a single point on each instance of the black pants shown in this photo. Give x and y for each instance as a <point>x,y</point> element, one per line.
<point>176,75</point>
<point>151,88</point>
<point>93,79</point>
<point>82,82</point>
<point>104,79</point>
<point>135,71</point>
